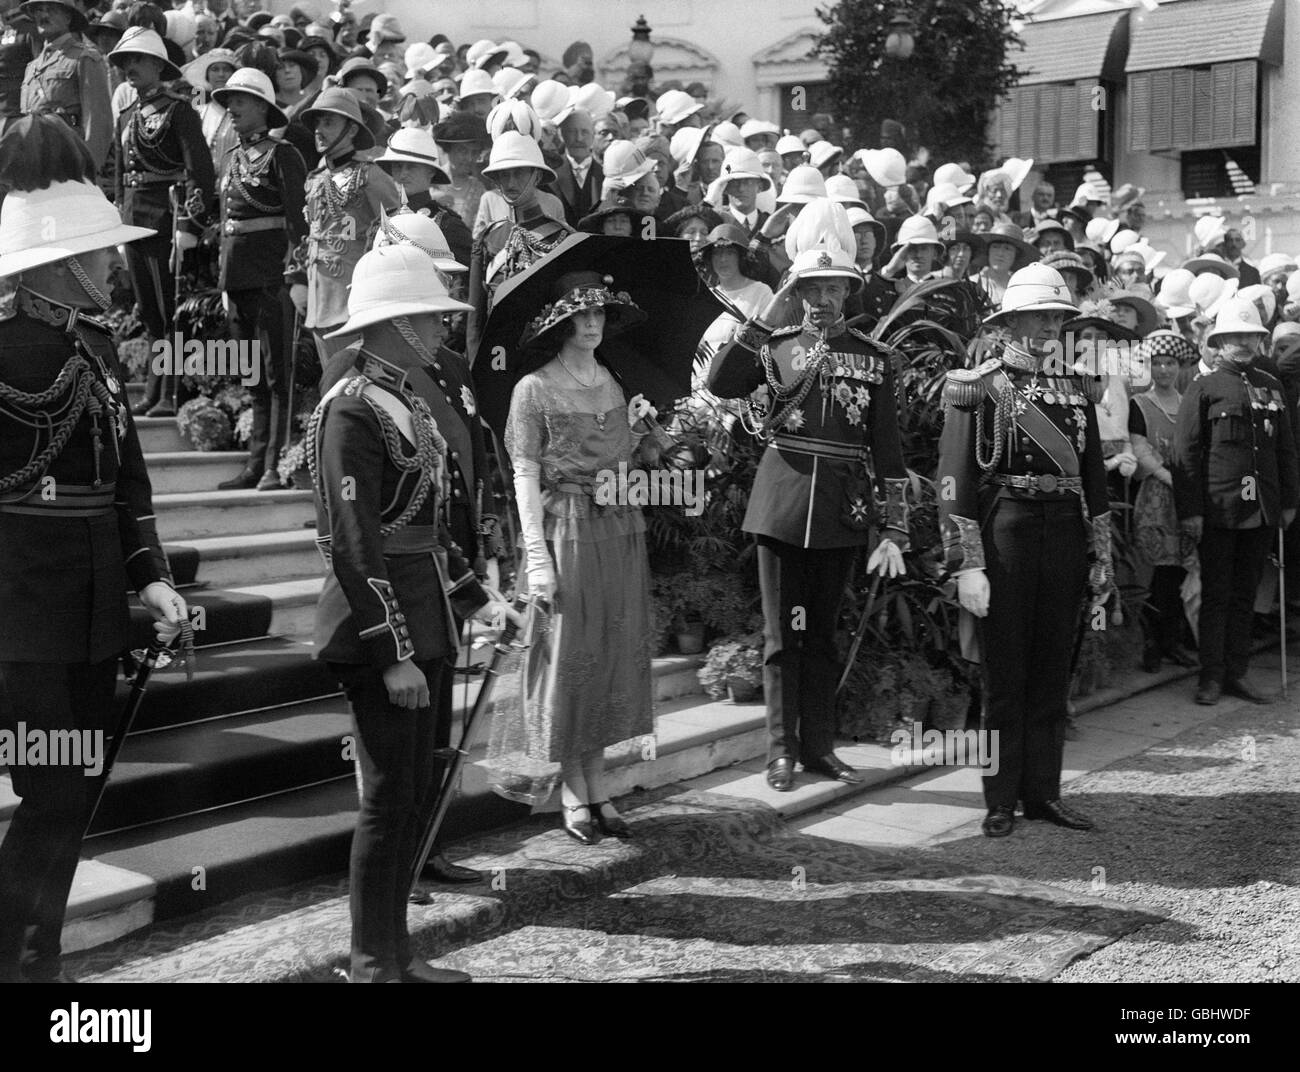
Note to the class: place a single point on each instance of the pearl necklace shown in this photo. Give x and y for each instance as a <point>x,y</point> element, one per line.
<point>574,377</point>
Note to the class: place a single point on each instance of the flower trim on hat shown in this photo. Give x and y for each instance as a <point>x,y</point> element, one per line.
<point>578,299</point>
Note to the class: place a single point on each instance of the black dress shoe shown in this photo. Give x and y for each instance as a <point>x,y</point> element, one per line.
<point>1056,812</point>
<point>780,774</point>
<point>833,767</point>
<point>581,830</point>
<point>440,869</point>
<point>1207,693</point>
<point>1246,691</point>
<point>1180,655</point>
<point>999,822</point>
<point>420,972</point>
<point>270,482</point>
<point>614,826</point>
<point>245,480</point>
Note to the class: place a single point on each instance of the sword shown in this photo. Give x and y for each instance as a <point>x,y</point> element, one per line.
<point>293,376</point>
<point>861,631</point>
<point>1281,601</point>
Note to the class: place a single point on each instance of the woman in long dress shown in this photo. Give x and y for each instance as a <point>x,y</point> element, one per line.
<point>586,684</point>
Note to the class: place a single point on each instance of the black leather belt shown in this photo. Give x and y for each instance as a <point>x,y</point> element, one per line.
<point>151,178</point>
<point>67,500</point>
<point>1047,483</point>
<point>412,540</point>
<point>258,223</point>
<point>819,448</point>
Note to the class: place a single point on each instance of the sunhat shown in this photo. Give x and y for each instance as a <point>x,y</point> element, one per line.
<point>63,220</point>
<point>414,145</point>
<point>577,291</point>
<point>392,281</point>
<point>256,84</point>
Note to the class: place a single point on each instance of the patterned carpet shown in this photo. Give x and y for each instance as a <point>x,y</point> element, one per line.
<point>710,890</point>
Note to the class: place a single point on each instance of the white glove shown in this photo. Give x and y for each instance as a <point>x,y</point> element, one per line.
<point>298,295</point>
<point>167,607</point>
<point>973,592</point>
<point>538,566</point>
<point>185,240</point>
<point>639,408</point>
<point>886,559</point>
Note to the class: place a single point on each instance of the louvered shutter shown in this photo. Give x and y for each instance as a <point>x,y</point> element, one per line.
<point>1162,106</point>
<point>1139,112</point>
<point>1181,107</point>
<point>1202,108</point>
<point>1224,101</point>
<point>1244,103</point>
<point>1026,137</point>
<point>1086,120</point>
<point>1008,125</point>
<point>1050,133</point>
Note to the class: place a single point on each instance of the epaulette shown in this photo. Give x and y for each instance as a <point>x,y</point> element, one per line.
<point>792,329</point>
<point>964,388</point>
<point>1094,389</point>
<point>177,94</point>
<point>985,367</point>
<point>863,336</point>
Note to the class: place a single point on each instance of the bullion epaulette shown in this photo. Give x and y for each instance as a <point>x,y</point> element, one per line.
<point>792,329</point>
<point>858,333</point>
<point>964,388</point>
<point>1094,389</point>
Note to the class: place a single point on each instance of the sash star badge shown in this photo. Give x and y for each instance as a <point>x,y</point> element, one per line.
<point>467,400</point>
<point>858,511</point>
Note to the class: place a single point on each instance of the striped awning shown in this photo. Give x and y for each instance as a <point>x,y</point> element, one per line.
<point>1194,33</point>
<point>1067,50</point>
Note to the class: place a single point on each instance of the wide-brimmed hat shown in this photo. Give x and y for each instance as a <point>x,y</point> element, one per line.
<point>476,83</point>
<point>1174,296</point>
<point>826,264</point>
<point>1209,291</point>
<point>1263,298</point>
<point>859,217</point>
<point>727,134</point>
<point>625,164</point>
<point>593,98</point>
<point>1148,316</point>
<point>594,221</point>
<point>1035,288</point>
<point>954,175</point>
<point>462,128</point>
<point>256,84</point>
<point>790,143</point>
<point>576,291</point>
<point>314,40</point>
<point>361,65</point>
<point>1126,195</point>
<point>63,220</point>
<point>1100,313</point>
<point>414,145</point>
<point>1143,251</point>
<point>824,154</point>
<point>1052,225</point>
<point>944,196</point>
<point>1238,316</point>
<point>549,99</point>
<point>1210,231</point>
<point>305,60</point>
<point>842,189</point>
<point>1094,258</point>
<point>339,101</point>
<point>1211,262</point>
<point>725,234</point>
<point>699,211</point>
<point>79,23</point>
<point>739,163</point>
<point>1166,342</point>
<point>485,52</point>
<point>675,105</point>
<point>418,230</point>
<point>804,184</point>
<point>1276,262</point>
<point>1101,230</point>
<point>110,22</point>
<point>752,128</point>
<point>1066,260</point>
<point>196,71</point>
<point>142,41</point>
<point>885,166</point>
<point>914,231</point>
<point>1016,170</point>
<point>513,83</point>
<point>1012,235</point>
<point>515,150</point>
<point>392,281</point>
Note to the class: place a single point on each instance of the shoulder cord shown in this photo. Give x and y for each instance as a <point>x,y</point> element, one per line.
<point>152,143</point>
<point>427,460</point>
<point>792,398</point>
<point>1004,424</point>
<point>240,165</point>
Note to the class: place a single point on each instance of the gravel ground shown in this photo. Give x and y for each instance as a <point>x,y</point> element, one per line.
<point>1195,828</point>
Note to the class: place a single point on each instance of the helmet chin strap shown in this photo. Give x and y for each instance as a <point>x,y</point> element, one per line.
<point>87,284</point>
<point>328,151</point>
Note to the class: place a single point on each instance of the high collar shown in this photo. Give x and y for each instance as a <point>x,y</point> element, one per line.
<point>837,328</point>
<point>1016,357</point>
<point>246,140</point>
<point>342,160</point>
<point>59,43</point>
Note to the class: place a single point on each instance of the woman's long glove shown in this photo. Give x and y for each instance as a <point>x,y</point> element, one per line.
<point>538,566</point>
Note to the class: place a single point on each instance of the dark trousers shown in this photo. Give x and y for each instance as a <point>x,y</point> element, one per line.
<point>1164,617</point>
<point>395,757</point>
<point>38,858</point>
<point>259,314</point>
<point>1037,568</point>
<point>148,262</point>
<point>1231,563</point>
<point>802,590</point>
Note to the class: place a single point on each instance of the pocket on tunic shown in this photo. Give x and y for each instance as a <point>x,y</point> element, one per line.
<point>1230,423</point>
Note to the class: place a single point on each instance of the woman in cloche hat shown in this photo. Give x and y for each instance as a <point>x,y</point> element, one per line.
<point>585,559</point>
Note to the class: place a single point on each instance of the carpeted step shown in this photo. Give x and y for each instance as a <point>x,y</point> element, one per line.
<point>193,470</point>
<point>184,516</point>
<point>255,558</point>
<point>184,561</point>
<point>219,617</point>
<point>159,435</point>
<point>230,679</point>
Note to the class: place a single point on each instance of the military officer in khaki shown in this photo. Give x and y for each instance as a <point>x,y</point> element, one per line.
<point>69,77</point>
<point>831,424</point>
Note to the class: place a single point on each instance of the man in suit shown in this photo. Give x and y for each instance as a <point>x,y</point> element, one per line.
<point>742,180</point>
<point>579,177</point>
<point>833,421</point>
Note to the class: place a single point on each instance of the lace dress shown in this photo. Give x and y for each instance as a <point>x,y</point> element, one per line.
<point>585,684</point>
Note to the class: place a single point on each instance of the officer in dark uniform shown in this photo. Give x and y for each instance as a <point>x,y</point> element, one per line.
<point>161,145</point>
<point>1023,510</point>
<point>474,508</point>
<point>76,519</point>
<point>1235,483</point>
<point>69,78</point>
<point>262,199</point>
<point>386,621</point>
<point>832,420</point>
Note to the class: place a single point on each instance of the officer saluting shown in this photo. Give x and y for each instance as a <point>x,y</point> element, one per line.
<point>832,418</point>
<point>386,618</point>
<point>1235,483</point>
<point>76,518</point>
<point>161,144</point>
<point>1023,510</point>
<point>261,221</point>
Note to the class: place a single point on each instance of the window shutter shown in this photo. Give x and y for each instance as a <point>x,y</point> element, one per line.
<point>1244,103</point>
<point>1050,133</point>
<point>1202,109</point>
<point>1162,104</point>
<point>1086,120</point>
<point>1139,110</point>
<point>1223,103</point>
<point>1025,139</point>
<point>1008,125</point>
<point>1181,103</point>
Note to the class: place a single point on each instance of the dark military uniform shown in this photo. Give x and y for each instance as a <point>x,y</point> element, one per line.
<point>388,596</point>
<point>77,529</point>
<point>161,144</point>
<point>1234,466</point>
<point>1022,495</point>
<point>261,222</point>
<point>812,505</point>
<point>15,54</point>
<point>874,301</point>
<point>69,78</point>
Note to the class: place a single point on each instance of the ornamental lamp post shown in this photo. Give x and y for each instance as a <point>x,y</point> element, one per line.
<point>901,40</point>
<point>640,51</point>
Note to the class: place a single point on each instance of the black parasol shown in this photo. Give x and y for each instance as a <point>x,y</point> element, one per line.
<point>652,358</point>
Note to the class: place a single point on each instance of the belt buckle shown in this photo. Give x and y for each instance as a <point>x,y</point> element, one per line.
<point>1046,483</point>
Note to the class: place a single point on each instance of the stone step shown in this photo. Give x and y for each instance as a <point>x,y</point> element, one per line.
<point>187,515</point>
<point>193,470</point>
<point>255,558</point>
<point>159,435</point>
